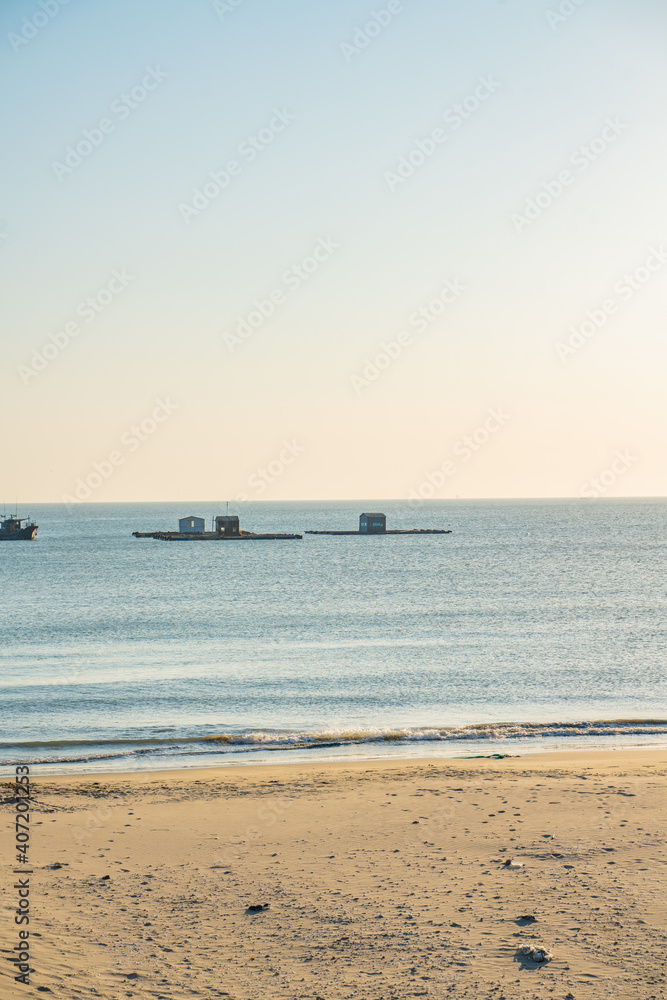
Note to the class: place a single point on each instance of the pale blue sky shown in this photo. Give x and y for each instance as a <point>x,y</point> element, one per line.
<point>324,177</point>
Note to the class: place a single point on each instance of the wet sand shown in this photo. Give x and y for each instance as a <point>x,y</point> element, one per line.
<point>383,880</point>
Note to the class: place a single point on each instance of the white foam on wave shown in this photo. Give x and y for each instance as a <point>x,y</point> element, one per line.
<point>490,733</point>
<point>482,731</point>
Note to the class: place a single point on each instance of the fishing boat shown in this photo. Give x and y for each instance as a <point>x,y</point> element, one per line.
<point>12,529</point>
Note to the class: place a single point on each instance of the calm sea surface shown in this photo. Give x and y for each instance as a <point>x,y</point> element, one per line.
<point>535,624</point>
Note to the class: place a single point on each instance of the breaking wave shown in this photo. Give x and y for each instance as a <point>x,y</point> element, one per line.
<point>480,731</point>
<point>155,752</point>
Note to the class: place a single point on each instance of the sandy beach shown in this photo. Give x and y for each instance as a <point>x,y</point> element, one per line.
<point>378,880</point>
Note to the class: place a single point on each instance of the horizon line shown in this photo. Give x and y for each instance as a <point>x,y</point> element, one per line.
<point>93,503</point>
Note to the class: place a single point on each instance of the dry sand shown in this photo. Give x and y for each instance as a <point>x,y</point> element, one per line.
<point>384,880</point>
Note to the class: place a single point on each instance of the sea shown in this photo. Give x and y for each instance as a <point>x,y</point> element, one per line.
<point>534,625</point>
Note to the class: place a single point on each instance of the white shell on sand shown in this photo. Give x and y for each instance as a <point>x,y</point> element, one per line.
<point>538,954</point>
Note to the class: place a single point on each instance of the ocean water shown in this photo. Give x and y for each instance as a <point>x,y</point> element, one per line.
<point>535,624</point>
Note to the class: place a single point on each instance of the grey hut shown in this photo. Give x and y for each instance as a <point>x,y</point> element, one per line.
<point>227,525</point>
<point>372,524</point>
<point>191,525</point>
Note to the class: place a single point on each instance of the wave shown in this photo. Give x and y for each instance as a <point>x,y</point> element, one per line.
<point>92,750</point>
<point>428,734</point>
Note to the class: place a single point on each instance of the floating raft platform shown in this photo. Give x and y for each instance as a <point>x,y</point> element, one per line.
<point>211,536</point>
<point>394,531</point>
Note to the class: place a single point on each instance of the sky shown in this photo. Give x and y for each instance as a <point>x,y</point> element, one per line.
<point>410,248</point>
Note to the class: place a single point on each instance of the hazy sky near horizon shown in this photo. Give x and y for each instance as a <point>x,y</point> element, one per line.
<point>376,249</point>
